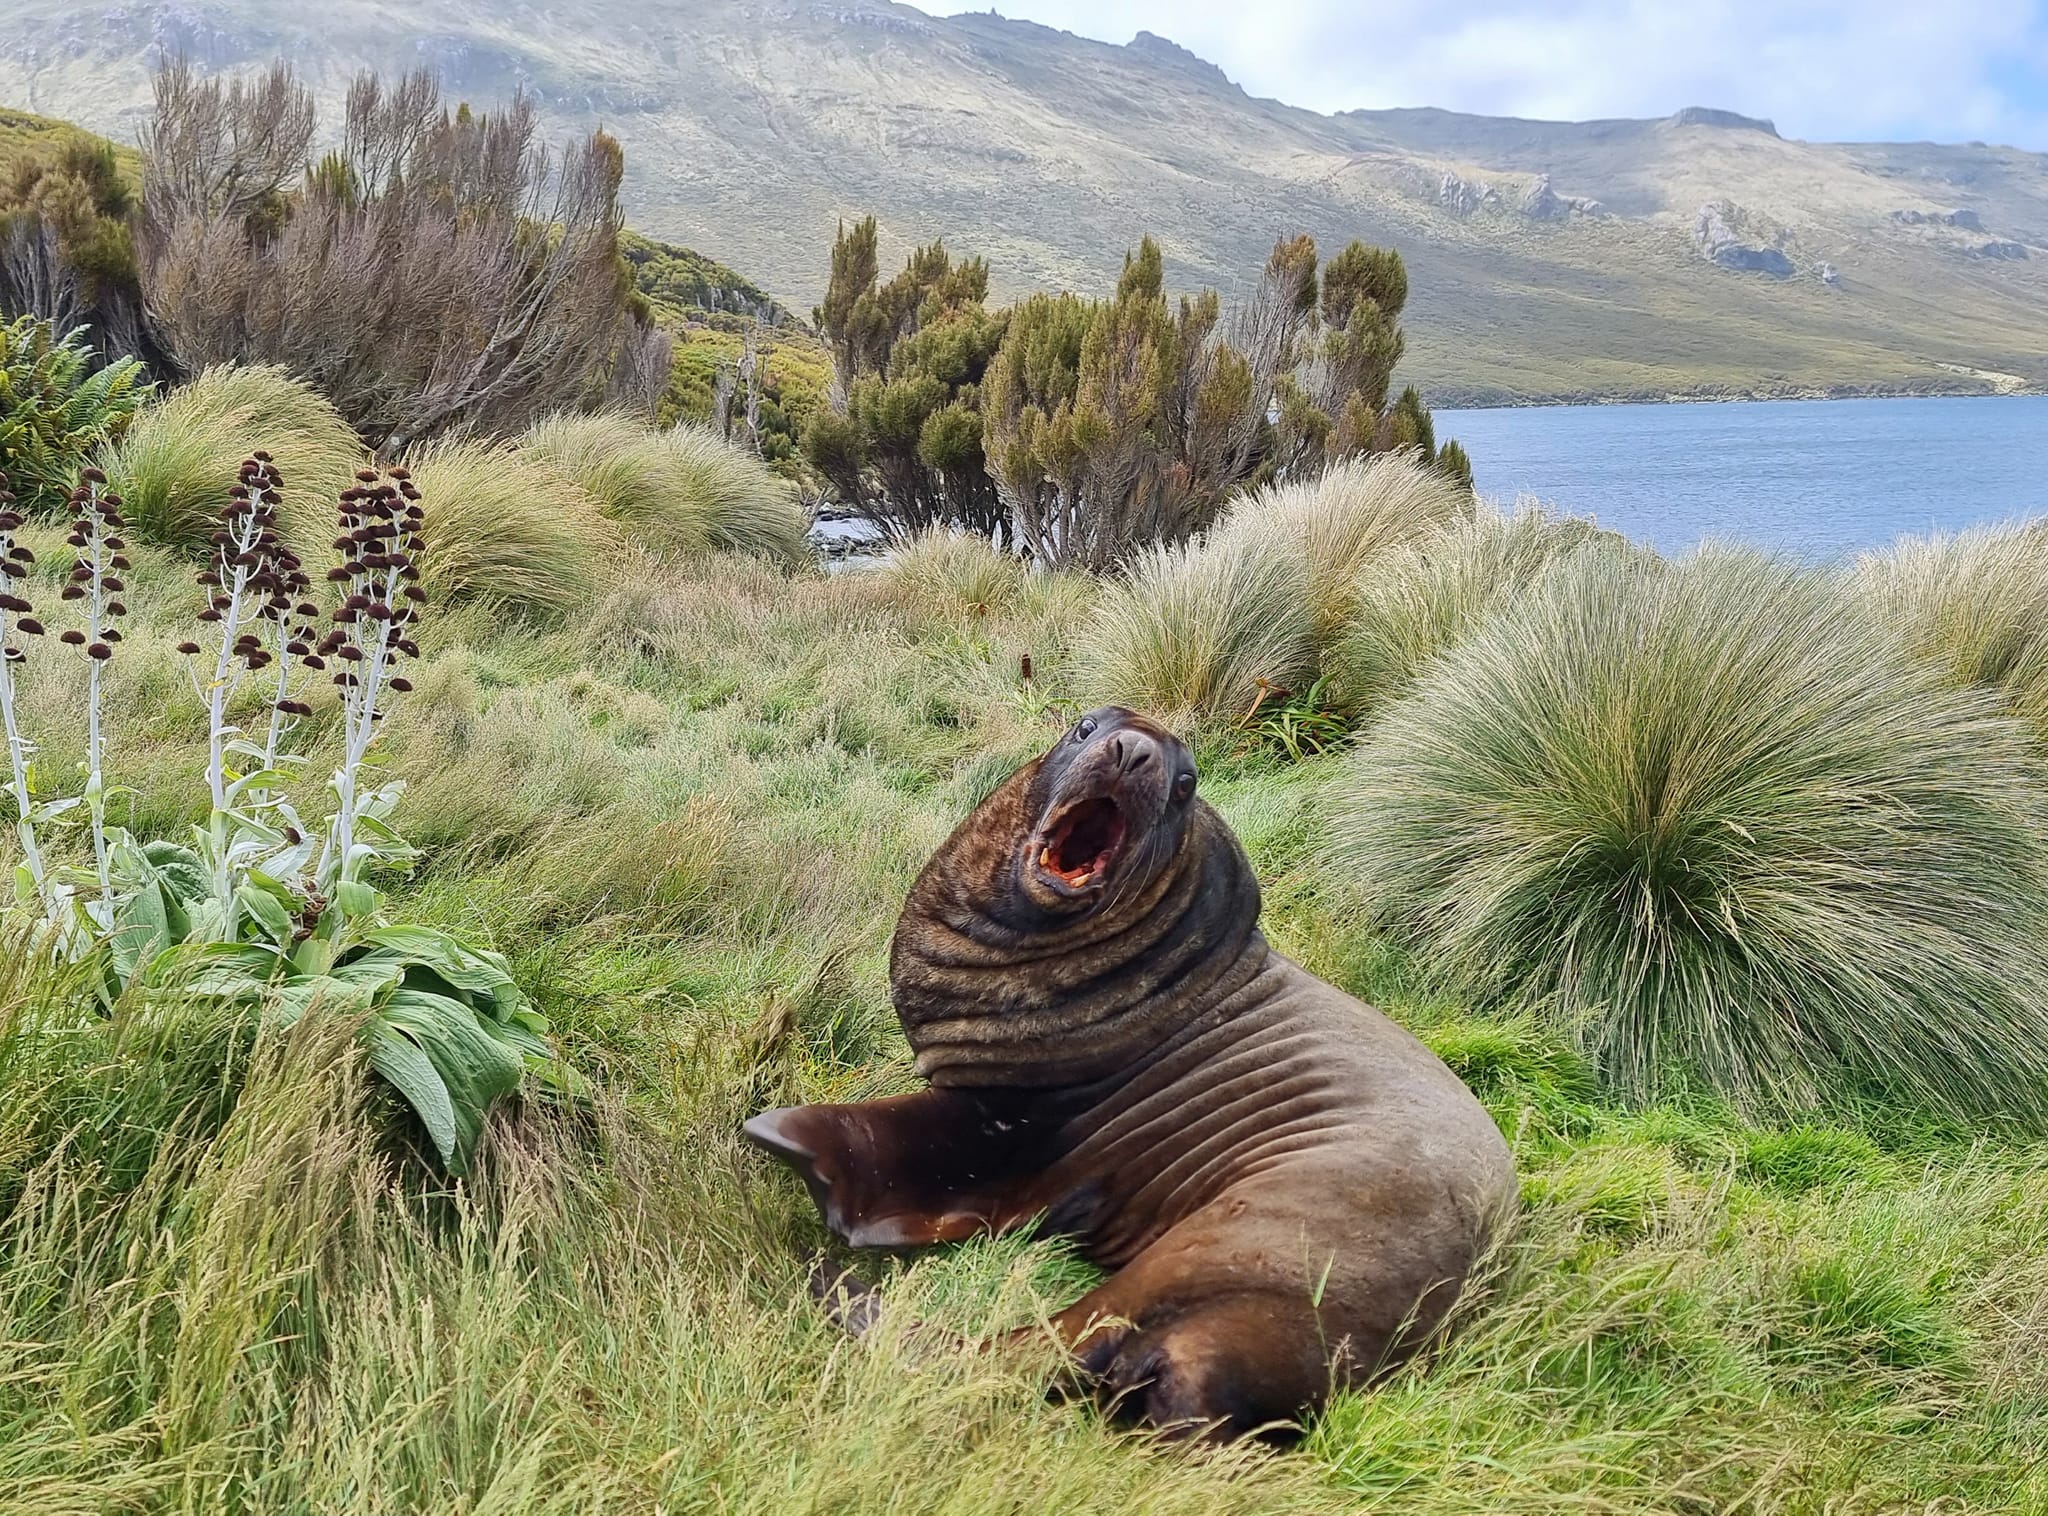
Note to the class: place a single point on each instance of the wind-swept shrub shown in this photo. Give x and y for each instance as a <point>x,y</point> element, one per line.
<point>1713,816</point>
<point>438,271</point>
<point>679,493</point>
<point>54,408</point>
<point>181,455</point>
<point>1975,603</point>
<point>1420,600</point>
<point>1200,630</point>
<point>508,528</point>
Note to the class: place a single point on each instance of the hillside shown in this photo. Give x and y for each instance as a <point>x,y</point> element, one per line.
<point>1695,254</point>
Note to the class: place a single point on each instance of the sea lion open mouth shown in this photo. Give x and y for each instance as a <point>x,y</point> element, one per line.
<point>1083,843</point>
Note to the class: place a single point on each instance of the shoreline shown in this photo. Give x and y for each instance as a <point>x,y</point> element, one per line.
<point>1439,403</point>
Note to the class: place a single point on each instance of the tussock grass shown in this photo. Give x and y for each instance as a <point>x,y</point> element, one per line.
<point>1415,602</point>
<point>1203,631</point>
<point>746,508</point>
<point>1347,519</point>
<point>677,493</point>
<point>1715,816</point>
<point>1976,603</point>
<point>1193,632</point>
<point>957,570</point>
<point>175,463</point>
<point>508,529</point>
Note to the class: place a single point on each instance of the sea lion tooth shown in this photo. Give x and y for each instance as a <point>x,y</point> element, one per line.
<point>1287,1189</point>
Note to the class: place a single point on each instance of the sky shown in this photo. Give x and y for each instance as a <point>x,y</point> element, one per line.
<point>1842,70</point>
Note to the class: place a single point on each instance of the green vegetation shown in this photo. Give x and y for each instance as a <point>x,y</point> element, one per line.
<point>1713,816</point>
<point>176,462</point>
<point>1214,627</point>
<point>687,821</point>
<point>54,409</point>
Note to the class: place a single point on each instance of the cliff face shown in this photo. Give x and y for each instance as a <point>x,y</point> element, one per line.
<point>1546,258</point>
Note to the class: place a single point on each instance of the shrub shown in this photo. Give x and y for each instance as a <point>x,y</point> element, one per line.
<point>1420,600</point>
<point>54,409</point>
<point>1716,819</point>
<point>507,528</point>
<point>1199,630</point>
<point>1976,604</point>
<point>177,461</point>
<point>1348,518</point>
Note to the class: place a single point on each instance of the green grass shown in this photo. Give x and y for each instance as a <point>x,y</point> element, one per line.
<point>175,463</point>
<point>690,817</point>
<point>1712,815</point>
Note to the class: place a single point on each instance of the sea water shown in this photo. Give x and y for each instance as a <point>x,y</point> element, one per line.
<point>1824,479</point>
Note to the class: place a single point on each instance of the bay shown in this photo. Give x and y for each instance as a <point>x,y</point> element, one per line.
<point>1823,479</point>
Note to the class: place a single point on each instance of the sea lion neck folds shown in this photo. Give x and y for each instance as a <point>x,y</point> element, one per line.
<point>1087,910</point>
<point>1290,1188</point>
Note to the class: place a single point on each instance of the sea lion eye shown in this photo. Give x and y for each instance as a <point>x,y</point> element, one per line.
<point>1085,730</point>
<point>1184,788</point>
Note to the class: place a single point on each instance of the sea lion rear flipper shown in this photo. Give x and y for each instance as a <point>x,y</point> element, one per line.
<point>904,1172</point>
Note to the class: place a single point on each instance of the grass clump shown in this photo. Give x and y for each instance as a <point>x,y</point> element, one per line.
<point>679,493</point>
<point>1348,518</point>
<point>1197,631</point>
<point>1714,818</point>
<point>1976,604</point>
<point>1421,599</point>
<point>956,570</point>
<point>508,529</point>
<point>175,463</point>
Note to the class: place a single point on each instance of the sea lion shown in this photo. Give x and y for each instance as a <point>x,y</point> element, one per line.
<point>1288,1188</point>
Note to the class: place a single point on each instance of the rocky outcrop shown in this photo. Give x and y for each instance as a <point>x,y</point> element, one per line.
<point>1968,221</point>
<point>1543,203</point>
<point>1461,196</point>
<point>2012,251</point>
<point>1829,274</point>
<point>1706,115</point>
<point>1715,235</point>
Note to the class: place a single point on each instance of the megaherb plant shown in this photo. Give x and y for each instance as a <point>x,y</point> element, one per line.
<point>261,904</point>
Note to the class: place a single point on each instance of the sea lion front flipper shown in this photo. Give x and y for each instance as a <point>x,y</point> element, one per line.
<point>937,1166</point>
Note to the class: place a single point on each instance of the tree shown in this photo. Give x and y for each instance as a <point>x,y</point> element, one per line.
<point>1112,425</point>
<point>903,442</point>
<point>436,270</point>
<point>66,254</point>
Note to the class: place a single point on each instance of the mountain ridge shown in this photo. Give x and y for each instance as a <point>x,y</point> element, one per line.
<point>1695,254</point>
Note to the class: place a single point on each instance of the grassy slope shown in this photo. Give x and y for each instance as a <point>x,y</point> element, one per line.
<point>1050,155</point>
<point>690,821</point>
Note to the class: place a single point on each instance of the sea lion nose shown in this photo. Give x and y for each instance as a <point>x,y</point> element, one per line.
<point>1130,751</point>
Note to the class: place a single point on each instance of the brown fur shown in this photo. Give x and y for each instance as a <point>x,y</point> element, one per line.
<point>1290,1188</point>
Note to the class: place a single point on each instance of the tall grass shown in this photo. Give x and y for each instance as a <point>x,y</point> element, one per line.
<point>1417,601</point>
<point>174,465</point>
<point>1197,632</point>
<point>1717,818</point>
<point>508,529</point>
<point>679,493</point>
<point>1205,630</point>
<point>1346,519</point>
<point>956,570</point>
<point>746,508</point>
<point>1976,603</point>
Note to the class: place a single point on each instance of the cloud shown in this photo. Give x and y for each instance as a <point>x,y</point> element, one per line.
<point>1824,69</point>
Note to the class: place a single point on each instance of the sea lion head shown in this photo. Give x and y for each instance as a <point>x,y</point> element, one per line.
<point>1110,807</point>
<point>1081,914</point>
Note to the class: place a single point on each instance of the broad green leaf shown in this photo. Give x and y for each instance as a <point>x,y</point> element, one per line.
<point>356,899</point>
<point>413,1075</point>
<point>263,908</point>
<point>475,1067</point>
